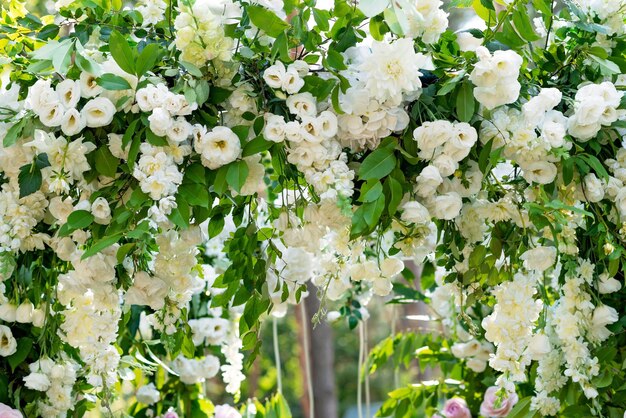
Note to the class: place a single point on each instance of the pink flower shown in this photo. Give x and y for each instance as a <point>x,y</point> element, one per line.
<point>490,409</point>
<point>226,411</point>
<point>169,414</point>
<point>8,412</point>
<point>456,408</point>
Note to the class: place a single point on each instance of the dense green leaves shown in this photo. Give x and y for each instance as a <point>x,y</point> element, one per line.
<point>266,20</point>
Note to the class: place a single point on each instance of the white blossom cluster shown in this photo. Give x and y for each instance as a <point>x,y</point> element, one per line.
<point>381,78</point>
<point>57,380</point>
<point>200,33</point>
<point>495,77</point>
<point>595,106</point>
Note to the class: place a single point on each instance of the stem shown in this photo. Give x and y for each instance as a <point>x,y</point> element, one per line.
<point>279,379</point>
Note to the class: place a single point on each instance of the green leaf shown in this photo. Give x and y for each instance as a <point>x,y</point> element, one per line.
<point>370,191</point>
<point>465,102</point>
<point>378,164</point>
<point>147,59</point>
<point>113,82</point>
<point>568,170</point>
<point>255,146</point>
<point>195,194</point>
<point>483,157</point>
<point>14,133</point>
<point>522,23</point>
<point>106,163</point>
<point>396,194</point>
<point>29,179</point>
<point>266,20</point>
<point>63,56</point>
<point>521,409</point>
<point>101,245</point>
<point>122,52</point>
<point>24,346</point>
<point>335,60</point>
<point>606,67</point>
<point>78,219</point>
<point>322,17</point>
<point>237,174</point>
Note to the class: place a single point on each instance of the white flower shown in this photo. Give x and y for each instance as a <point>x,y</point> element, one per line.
<point>467,42</point>
<point>160,121</point>
<point>275,75</point>
<point>8,312</point>
<point>73,122</point>
<point>382,286</point>
<point>89,85</point>
<point>148,394</point>
<point>328,124</point>
<point>274,129</point>
<point>98,112</point>
<point>608,284</point>
<point>428,181</point>
<point>392,69</point>
<point>51,115</point>
<point>495,77</point>
<point>302,104</point>
<point>37,381</point>
<point>391,267</point>
<point>539,346</point>
<point>24,312</point>
<point>69,93</point>
<point>218,147</point>
<point>593,188</point>
<point>61,208</point>
<point>8,345</point>
<point>414,212</point>
<point>101,211</point>
<point>539,258</point>
<point>541,172</point>
<point>604,315</point>
<point>292,82</point>
<point>179,131</point>
<point>226,411</point>
<point>466,349</point>
<point>446,206</point>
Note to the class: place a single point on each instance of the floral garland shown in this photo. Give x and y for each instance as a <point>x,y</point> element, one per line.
<point>171,174</point>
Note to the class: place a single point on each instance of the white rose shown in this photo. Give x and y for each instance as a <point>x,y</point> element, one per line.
<point>275,75</point>
<point>51,115</point>
<point>446,206</point>
<point>464,135</point>
<point>69,93</point>
<point>8,312</point>
<point>37,381</point>
<point>89,85</point>
<point>539,258</point>
<point>580,131</point>
<point>24,312</point>
<point>292,131</point>
<point>179,131</point>
<point>539,346</point>
<point>8,345</point>
<point>328,124</point>
<point>428,181</point>
<point>541,172</point>
<point>554,128</point>
<point>302,67</point>
<point>73,122</point>
<point>101,211</point>
<point>414,212</point>
<point>148,394</point>
<point>160,121</point>
<point>274,129</point>
<point>302,104</point>
<point>445,164</point>
<point>98,112</point>
<point>593,188</point>
<point>218,147</point>
<point>432,135</point>
<point>292,83</point>
<point>608,284</point>
<point>467,42</point>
